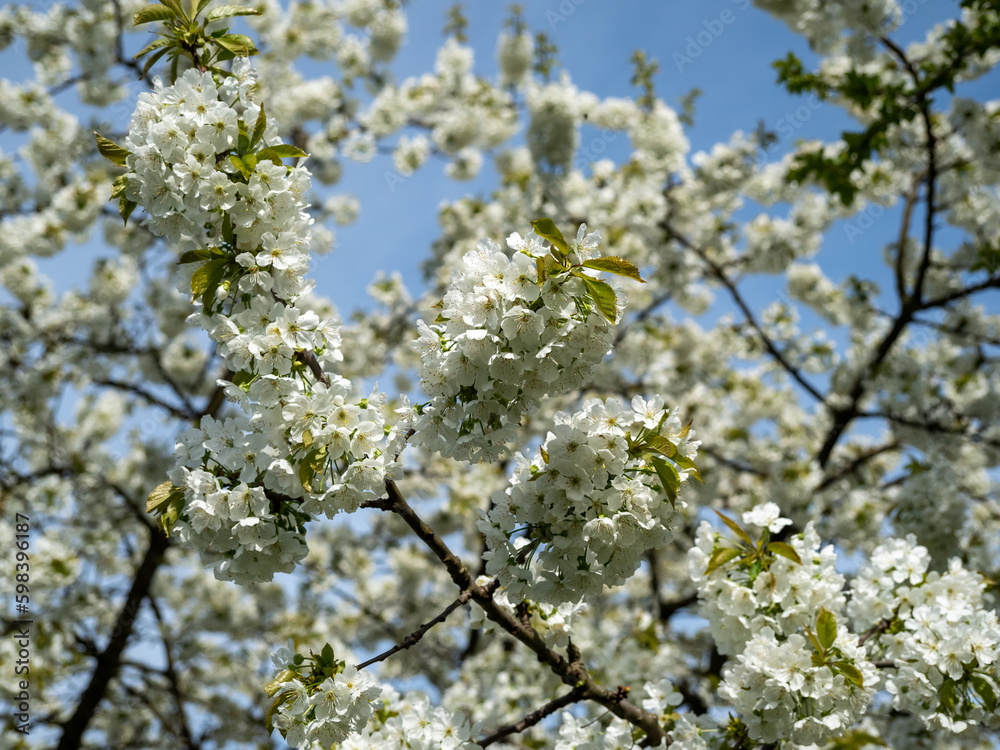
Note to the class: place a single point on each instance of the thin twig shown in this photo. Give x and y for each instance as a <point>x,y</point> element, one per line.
<point>413,638</point>
<point>573,696</point>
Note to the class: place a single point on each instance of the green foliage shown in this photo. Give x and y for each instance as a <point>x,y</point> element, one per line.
<point>184,35</point>
<point>643,70</point>
<point>457,24</point>
<point>754,556</point>
<point>112,151</point>
<point>545,55</point>
<point>167,500</point>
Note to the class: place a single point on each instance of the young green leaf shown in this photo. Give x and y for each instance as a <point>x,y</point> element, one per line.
<point>205,253</point>
<point>206,279</point>
<point>153,45</point>
<point>238,163</point>
<point>153,13</point>
<point>160,494</point>
<point>275,705</point>
<point>668,477</point>
<point>851,673</point>
<point>153,58</point>
<point>258,127</point>
<point>228,11</point>
<point>661,445</point>
<point>984,688</point>
<point>547,229</point>
<point>237,45</point>
<point>125,208</point>
<point>170,512</point>
<point>687,463</point>
<point>119,185</point>
<point>735,528</point>
<point>327,655</point>
<point>826,628</point>
<point>785,550</point>
<point>614,264</point>
<point>281,151</point>
<point>720,557</point>
<point>603,295</point>
<point>111,151</point>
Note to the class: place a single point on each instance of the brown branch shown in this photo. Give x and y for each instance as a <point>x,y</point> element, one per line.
<point>173,681</point>
<point>109,659</point>
<point>856,463</point>
<point>573,696</point>
<point>150,398</point>
<point>719,273</point>
<point>909,303</point>
<point>413,638</point>
<point>572,672</point>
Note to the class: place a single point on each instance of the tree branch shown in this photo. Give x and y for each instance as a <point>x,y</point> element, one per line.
<point>414,637</point>
<point>572,672</point>
<point>576,694</point>
<point>109,659</point>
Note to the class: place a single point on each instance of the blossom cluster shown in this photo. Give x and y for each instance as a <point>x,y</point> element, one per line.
<point>599,493</point>
<point>938,631</point>
<point>325,704</point>
<point>798,674</point>
<point>206,164</point>
<point>413,722</point>
<point>505,339</point>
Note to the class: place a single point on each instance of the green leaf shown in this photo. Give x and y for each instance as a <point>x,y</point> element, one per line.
<point>153,13</point>
<point>547,229</point>
<point>544,453</point>
<point>125,208</point>
<point>614,264</point>
<point>281,151</point>
<point>154,45</point>
<point>278,703</point>
<point>603,295</point>
<point>227,228</point>
<point>243,141</point>
<point>542,270</point>
<point>327,655</point>
<point>111,151</point>
<point>171,511</point>
<point>668,477</point>
<point>258,128</point>
<point>851,673</point>
<point>207,279</point>
<point>826,628</point>
<point>687,463</point>
<point>307,438</point>
<point>237,45</point>
<point>720,557</point>
<point>238,163</point>
<point>275,685</point>
<point>985,690</point>
<point>160,494</point>
<point>948,693</point>
<point>735,528</point>
<point>176,7</point>
<point>197,6</point>
<point>119,185</point>
<point>243,378</point>
<point>228,11</point>
<point>661,445</point>
<point>206,253</point>
<point>785,550</point>
<point>153,58</point>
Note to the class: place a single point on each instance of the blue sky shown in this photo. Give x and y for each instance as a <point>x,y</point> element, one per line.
<point>724,47</point>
